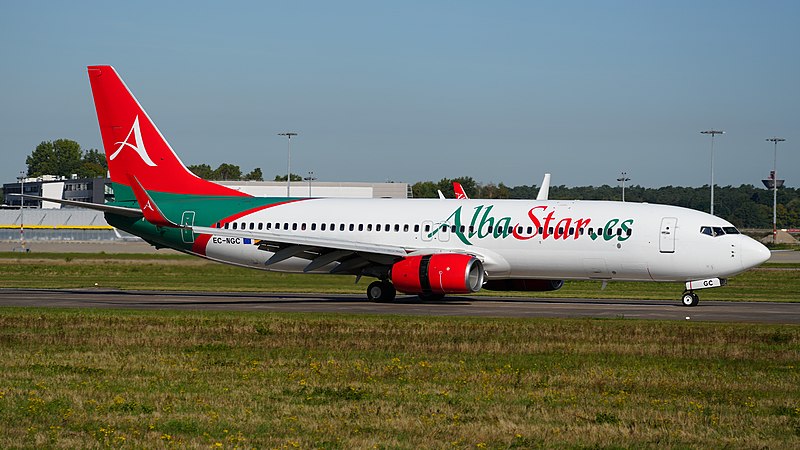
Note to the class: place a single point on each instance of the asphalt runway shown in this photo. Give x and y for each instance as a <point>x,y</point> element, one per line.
<point>746,312</point>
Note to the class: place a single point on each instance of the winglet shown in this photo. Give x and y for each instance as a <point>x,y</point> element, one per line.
<point>152,213</point>
<point>544,191</point>
<point>460,194</point>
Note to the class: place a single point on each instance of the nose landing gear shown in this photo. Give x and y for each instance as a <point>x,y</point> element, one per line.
<point>690,299</point>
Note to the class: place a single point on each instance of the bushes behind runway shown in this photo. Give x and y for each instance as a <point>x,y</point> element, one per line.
<point>779,282</point>
<point>84,379</point>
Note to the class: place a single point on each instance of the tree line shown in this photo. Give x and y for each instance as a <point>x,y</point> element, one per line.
<point>745,206</point>
<point>65,157</point>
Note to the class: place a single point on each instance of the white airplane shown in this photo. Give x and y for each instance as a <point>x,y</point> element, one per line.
<point>428,247</point>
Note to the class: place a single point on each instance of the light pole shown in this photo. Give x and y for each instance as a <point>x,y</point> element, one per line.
<point>22,211</point>
<point>310,178</point>
<point>623,179</point>
<point>288,135</point>
<point>713,133</point>
<point>775,141</point>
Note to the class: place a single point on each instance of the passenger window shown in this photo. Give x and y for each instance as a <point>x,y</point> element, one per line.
<point>361,227</point>
<point>463,228</point>
<point>341,227</point>
<point>541,230</point>
<point>452,228</point>
<point>285,225</point>
<point>619,231</point>
<point>269,225</point>
<point>303,227</point>
<point>352,227</point>
<point>427,228</point>
<point>234,225</point>
<point>396,228</point>
<point>571,231</point>
<point>489,229</point>
<point>378,227</point>
<point>369,227</point>
<point>560,230</point>
<point>260,226</point>
<point>706,231</point>
<point>313,227</point>
<point>530,230</point>
<point>294,226</point>
<point>416,228</point>
<point>550,230</point>
<point>322,227</point>
<point>405,228</point>
<point>519,230</point>
<point>252,225</point>
<point>630,231</point>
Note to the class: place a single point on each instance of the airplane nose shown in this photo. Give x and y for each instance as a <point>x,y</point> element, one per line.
<point>753,253</point>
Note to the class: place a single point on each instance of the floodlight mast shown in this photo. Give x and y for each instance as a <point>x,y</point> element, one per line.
<point>288,135</point>
<point>623,179</point>
<point>775,141</point>
<point>22,211</point>
<point>713,133</point>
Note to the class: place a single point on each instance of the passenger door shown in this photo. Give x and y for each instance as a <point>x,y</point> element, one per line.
<point>666,243</point>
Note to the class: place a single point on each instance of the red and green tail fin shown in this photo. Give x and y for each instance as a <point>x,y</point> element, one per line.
<point>136,149</point>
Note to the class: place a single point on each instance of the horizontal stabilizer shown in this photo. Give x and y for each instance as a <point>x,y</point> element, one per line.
<point>119,210</point>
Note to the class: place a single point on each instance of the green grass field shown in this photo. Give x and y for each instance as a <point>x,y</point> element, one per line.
<point>777,282</point>
<point>170,379</point>
<point>125,379</point>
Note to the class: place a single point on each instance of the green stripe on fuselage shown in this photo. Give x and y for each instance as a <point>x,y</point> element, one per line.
<point>207,210</point>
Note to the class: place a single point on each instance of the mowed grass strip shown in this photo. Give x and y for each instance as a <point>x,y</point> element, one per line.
<point>82,379</point>
<point>178,272</point>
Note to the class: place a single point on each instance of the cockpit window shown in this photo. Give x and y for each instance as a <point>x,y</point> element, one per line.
<point>718,231</point>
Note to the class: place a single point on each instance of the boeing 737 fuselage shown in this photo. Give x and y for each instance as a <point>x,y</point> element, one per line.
<point>416,246</point>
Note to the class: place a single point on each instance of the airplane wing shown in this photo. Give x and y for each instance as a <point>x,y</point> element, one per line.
<point>322,251</point>
<point>121,210</point>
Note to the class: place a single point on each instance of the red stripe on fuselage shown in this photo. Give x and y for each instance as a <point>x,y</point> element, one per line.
<point>201,242</point>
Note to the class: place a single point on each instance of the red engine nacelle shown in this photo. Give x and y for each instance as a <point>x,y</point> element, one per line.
<point>442,273</point>
<point>530,285</point>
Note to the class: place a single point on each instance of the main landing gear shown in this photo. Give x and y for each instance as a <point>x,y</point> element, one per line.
<point>381,291</point>
<point>690,299</point>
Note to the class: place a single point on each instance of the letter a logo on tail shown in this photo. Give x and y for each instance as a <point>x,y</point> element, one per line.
<point>137,146</point>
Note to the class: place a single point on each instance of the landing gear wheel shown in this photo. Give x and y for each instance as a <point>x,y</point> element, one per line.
<point>690,299</point>
<point>381,291</point>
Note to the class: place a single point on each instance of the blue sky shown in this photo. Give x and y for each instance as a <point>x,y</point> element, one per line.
<point>410,91</point>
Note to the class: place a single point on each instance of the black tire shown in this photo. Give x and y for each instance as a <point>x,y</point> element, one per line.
<point>690,299</point>
<point>381,291</point>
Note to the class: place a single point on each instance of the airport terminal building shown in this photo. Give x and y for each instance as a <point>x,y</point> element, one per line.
<point>43,220</point>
